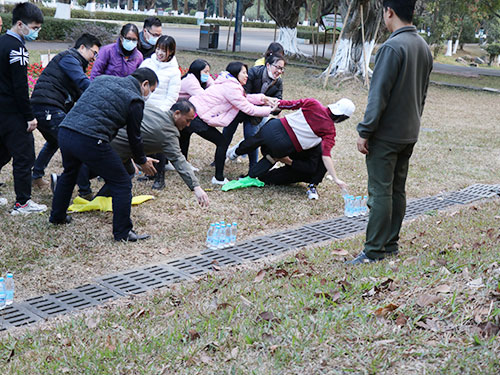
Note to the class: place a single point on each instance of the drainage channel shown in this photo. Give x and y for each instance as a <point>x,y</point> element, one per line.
<point>140,280</point>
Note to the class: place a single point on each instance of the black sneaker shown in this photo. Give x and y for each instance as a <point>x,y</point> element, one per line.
<point>362,259</point>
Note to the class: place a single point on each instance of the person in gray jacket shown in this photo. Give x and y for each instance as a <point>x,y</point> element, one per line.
<point>160,134</point>
<point>391,125</point>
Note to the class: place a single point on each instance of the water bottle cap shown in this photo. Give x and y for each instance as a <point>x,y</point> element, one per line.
<point>222,222</point>
<point>212,225</point>
<point>358,197</point>
<point>228,225</point>
<point>9,275</point>
<point>1,279</point>
<point>234,223</point>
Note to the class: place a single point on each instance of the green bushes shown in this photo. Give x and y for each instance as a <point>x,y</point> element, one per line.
<point>56,29</point>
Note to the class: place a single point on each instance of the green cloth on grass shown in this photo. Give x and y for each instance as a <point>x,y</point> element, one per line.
<point>242,183</point>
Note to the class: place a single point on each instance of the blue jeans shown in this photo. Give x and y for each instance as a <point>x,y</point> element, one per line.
<point>100,157</point>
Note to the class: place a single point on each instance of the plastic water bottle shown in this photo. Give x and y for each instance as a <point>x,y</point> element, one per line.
<point>215,238</point>
<point>229,229</point>
<point>346,204</point>
<point>210,237</point>
<point>357,207</point>
<point>2,293</point>
<point>365,205</point>
<point>234,234</point>
<point>9,289</point>
<point>222,236</point>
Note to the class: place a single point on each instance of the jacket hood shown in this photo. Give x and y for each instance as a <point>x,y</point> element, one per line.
<point>226,77</point>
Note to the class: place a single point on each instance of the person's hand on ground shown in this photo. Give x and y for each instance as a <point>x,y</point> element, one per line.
<point>148,168</point>
<point>342,185</point>
<point>32,125</point>
<point>362,144</point>
<point>201,196</point>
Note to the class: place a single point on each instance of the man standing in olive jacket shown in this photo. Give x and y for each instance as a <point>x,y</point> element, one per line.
<point>391,125</point>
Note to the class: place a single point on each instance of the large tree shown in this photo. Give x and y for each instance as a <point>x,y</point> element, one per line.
<point>352,55</point>
<point>286,15</point>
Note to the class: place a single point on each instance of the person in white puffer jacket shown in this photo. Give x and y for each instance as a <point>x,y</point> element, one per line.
<point>164,64</point>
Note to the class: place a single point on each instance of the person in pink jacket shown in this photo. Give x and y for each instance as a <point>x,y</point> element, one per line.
<point>219,105</point>
<point>196,80</point>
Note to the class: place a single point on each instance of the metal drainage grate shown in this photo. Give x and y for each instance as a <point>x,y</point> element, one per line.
<point>420,206</point>
<point>189,268</point>
<point>47,306</point>
<point>482,190</point>
<point>16,315</point>
<point>256,249</point>
<point>300,237</point>
<point>340,227</point>
<point>220,257</point>
<point>84,296</point>
<point>461,197</point>
<point>132,282</point>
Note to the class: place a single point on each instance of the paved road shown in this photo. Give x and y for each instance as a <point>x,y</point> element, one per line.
<point>256,40</point>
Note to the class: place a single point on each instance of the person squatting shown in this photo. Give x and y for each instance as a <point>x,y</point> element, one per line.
<point>136,111</point>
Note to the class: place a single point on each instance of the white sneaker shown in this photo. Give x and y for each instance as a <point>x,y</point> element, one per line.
<point>219,182</point>
<point>29,207</point>
<point>231,152</point>
<point>193,167</point>
<point>312,193</point>
<point>169,167</point>
<point>3,201</point>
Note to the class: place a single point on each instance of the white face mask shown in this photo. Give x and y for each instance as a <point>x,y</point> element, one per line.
<point>270,74</point>
<point>147,97</point>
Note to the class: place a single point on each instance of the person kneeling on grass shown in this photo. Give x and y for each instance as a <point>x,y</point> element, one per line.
<point>160,133</point>
<point>311,125</point>
<point>108,104</point>
<point>306,166</point>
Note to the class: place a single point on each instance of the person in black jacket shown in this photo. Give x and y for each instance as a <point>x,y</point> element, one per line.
<point>108,104</point>
<point>305,166</point>
<point>149,35</point>
<point>17,121</point>
<point>58,88</point>
<point>265,79</point>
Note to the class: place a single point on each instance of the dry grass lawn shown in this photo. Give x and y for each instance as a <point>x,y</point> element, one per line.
<point>459,146</point>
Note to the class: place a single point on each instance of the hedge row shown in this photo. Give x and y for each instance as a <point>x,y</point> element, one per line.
<point>57,29</point>
<point>78,13</point>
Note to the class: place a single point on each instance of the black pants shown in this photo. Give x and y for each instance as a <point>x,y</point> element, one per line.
<point>287,175</point>
<point>211,134</point>
<point>100,157</point>
<point>274,141</point>
<point>18,144</point>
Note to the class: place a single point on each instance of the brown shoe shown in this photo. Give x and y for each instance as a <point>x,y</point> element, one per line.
<point>39,183</point>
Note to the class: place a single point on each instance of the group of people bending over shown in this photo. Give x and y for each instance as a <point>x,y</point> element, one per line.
<point>140,113</point>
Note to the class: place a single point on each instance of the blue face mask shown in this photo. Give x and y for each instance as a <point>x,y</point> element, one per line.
<point>129,45</point>
<point>152,40</point>
<point>32,34</point>
<point>204,78</point>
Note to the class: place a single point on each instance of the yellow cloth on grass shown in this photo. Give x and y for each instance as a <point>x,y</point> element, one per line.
<point>102,203</point>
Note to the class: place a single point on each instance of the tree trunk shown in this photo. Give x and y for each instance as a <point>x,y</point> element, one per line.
<point>221,8</point>
<point>175,5</point>
<point>186,7</point>
<point>449,47</point>
<point>286,21</point>
<point>202,5</point>
<point>258,10</point>
<point>130,4</point>
<point>350,54</point>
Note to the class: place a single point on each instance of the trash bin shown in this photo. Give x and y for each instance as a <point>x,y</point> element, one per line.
<point>204,36</point>
<point>214,37</point>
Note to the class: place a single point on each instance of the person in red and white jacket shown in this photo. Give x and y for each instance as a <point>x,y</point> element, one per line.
<point>304,129</point>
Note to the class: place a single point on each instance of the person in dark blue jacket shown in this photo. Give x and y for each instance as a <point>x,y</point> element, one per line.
<point>58,88</point>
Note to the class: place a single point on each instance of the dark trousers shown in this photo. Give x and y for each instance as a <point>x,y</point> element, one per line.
<point>249,130</point>
<point>99,156</point>
<point>211,134</point>
<point>50,130</point>
<point>274,141</point>
<point>18,144</point>
<point>287,175</point>
<point>387,165</point>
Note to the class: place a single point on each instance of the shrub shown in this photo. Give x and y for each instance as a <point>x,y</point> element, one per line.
<point>56,29</point>
<point>493,50</point>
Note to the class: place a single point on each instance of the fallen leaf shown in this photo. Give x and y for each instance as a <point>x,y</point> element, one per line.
<point>245,301</point>
<point>273,348</point>
<point>281,273</point>
<point>443,289</point>
<point>205,358</point>
<point>91,323</point>
<point>401,320</point>
<point>267,316</point>
<point>234,352</point>
<point>445,271</point>
<point>382,312</point>
<point>66,342</point>
<point>323,282</point>
<point>476,283</point>
<point>140,313</point>
<point>267,336</point>
<point>427,299</point>
<point>489,329</point>
<point>109,344</point>
<point>193,335</point>
<point>344,284</point>
<point>429,324</point>
<point>340,252</point>
<point>260,276</point>
<point>170,313</point>
<point>457,246</point>
<point>223,306</point>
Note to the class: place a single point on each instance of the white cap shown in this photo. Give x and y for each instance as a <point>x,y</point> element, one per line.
<point>343,107</point>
